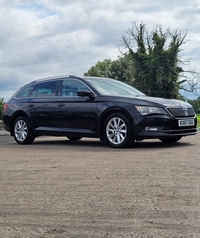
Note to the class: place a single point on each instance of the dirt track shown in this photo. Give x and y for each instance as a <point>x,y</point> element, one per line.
<point>62,189</point>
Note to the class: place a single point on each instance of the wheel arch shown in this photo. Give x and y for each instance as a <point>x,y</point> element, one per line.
<point>15,116</point>
<point>110,111</point>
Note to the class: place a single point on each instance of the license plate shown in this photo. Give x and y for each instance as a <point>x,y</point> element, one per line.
<point>186,122</point>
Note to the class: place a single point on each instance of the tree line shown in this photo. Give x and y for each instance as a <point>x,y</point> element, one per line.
<point>196,104</point>
<point>1,107</point>
<point>151,62</point>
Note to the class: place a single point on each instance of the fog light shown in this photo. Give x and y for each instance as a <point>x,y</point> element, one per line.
<point>152,128</point>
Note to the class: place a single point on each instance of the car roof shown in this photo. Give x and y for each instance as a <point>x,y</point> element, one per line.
<point>51,78</point>
<point>64,77</point>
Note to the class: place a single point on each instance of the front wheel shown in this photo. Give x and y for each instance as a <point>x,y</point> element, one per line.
<point>170,140</point>
<point>22,132</point>
<point>118,131</point>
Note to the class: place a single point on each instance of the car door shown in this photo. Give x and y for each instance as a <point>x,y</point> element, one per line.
<point>76,114</point>
<point>44,106</point>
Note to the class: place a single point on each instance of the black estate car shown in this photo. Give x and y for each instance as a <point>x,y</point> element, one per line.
<point>103,108</point>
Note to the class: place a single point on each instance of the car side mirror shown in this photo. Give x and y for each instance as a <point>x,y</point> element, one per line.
<point>85,93</point>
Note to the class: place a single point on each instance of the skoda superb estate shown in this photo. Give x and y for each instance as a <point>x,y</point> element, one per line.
<point>102,108</point>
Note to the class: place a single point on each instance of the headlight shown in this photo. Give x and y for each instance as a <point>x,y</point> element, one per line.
<point>149,110</point>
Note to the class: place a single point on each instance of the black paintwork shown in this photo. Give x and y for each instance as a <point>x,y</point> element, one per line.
<point>85,115</point>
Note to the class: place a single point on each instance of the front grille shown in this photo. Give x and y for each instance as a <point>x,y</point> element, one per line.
<point>178,112</point>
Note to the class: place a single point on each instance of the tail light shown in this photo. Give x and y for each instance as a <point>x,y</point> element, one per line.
<point>5,106</point>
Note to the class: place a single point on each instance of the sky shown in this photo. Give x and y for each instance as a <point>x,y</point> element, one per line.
<point>47,38</point>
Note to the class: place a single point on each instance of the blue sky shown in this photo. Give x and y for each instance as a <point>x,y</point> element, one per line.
<point>55,37</point>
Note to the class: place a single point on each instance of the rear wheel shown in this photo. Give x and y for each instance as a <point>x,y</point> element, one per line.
<point>22,132</point>
<point>74,137</point>
<point>118,132</point>
<point>170,140</point>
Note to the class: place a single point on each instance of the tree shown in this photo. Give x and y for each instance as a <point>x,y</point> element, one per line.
<point>1,107</point>
<point>195,104</point>
<point>120,69</point>
<point>158,70</point>
<point>101,69</point>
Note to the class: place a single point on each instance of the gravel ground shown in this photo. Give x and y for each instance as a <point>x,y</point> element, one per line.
<point>55,188</point>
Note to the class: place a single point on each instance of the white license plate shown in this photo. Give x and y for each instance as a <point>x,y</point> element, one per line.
<point>186,122</point>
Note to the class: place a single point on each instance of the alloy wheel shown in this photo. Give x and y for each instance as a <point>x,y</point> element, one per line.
<point>21,130</point>
<point>116,130</point>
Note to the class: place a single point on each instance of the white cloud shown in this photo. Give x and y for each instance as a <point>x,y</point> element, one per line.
<point>53,37</point>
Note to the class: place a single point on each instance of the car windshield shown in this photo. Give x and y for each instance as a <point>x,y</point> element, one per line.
<point>112,87</point>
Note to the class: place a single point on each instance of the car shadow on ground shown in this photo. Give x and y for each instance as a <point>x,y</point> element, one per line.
<point>146,144</point>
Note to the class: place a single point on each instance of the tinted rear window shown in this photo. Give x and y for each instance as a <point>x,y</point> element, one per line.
<point>25,92</point>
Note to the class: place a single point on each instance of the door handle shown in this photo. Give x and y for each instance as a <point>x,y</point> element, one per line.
<point>31,105</point>
<point>61,104</point>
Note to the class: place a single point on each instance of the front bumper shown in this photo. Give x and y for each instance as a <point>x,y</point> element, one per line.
<point>150,133</point>
<point>151,127</point>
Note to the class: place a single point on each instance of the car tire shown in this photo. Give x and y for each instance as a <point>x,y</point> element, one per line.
<point>170,140</point>
<point>117,131</point>
<point>22,132</point>
<point>74,138</point>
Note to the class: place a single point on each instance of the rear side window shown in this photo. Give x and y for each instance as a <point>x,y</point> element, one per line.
<point>25,92</point>
<point>47,89</point>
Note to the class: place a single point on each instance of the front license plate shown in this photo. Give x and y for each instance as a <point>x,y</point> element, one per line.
<point>186,122</point>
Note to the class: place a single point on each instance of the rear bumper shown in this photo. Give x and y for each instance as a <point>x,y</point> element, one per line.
<point>6,127</point>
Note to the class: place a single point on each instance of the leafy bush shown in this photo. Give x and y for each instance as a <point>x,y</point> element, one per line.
<point>198,120</point>
<point>196,104</point>
<point>1,107</point>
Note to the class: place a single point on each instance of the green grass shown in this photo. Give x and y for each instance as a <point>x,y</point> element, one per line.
<point>198,120</point>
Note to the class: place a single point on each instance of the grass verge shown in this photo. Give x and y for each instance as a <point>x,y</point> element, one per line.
<point>198,120</point>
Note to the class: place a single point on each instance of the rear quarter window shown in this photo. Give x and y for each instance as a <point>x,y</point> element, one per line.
<point>25,92</point>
